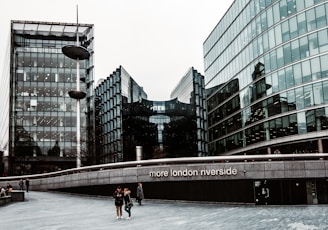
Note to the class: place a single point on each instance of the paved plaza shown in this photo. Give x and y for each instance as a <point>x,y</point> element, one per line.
<point>52,211</point>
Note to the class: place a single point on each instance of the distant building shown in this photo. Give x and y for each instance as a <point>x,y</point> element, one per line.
<point>111,95</point>
<point>191,90</point>
<point>125,119</point>
<point>42,117</point>
<point>266,76</point>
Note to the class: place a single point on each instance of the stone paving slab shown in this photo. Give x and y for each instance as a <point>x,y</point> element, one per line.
<point>55,211</point>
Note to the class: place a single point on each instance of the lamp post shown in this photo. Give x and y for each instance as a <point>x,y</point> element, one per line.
<point>78,53</point>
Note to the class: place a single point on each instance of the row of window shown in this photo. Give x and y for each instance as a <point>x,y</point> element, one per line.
<point>45,60</point>
<point>258,22</point>
<point>37,42</point>
<point>111,152</point>
<point>43,90</point>
<point>64,151</point>
<point>31,42</point>
<point>112,157</point>
<point>221,62</point>
<point>299,73</point>
<point>48,75</point>
<point>291,100</point>
<point>54,120</point>
<point>111,136</point>
<point>300,123</point>
<point>240,13</point>
<point>269,16</point>
<point>107,125</point>
<point>298,49</point>
<point>47,136</point>
<point>33,106</point>
<point>108,92</point>
<point>112,103</point>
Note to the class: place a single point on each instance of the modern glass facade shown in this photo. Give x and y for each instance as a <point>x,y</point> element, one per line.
<point>191,90</point>
<point>125,119</point>
<point>4,115</point>
<point>42,130</point>
<point>111,95</point>
<point>267,78</point>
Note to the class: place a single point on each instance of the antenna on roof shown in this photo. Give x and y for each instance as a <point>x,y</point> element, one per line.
<point>77,25</point>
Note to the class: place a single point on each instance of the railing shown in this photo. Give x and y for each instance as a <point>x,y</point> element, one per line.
<point>170,161</point>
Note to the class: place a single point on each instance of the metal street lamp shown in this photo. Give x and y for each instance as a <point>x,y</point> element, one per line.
<point>78,53</point>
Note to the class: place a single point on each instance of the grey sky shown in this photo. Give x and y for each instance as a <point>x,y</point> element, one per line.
<point>156,41</point>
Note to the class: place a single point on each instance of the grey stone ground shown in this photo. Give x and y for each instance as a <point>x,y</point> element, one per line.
<point>53,211</point>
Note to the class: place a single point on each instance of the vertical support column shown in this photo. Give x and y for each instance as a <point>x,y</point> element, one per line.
<point>269,150</point>
<point>311,192</point>
<point>320,147</point>
<point>78,128</point>
<point>139,153</point>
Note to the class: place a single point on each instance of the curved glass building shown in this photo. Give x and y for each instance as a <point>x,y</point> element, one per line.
<point>125,119</point>
<point>266,76</point>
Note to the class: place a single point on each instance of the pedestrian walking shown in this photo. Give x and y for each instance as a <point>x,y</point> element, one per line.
<point>21,184</point>
<point>27,184</point>
<point>118,196</point>
<point>128,202</point>
<point>140,193</point>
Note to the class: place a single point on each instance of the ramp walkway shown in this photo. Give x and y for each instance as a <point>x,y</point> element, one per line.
<point>57,211</point>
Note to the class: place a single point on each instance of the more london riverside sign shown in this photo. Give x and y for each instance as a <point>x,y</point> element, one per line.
<point>187,172</point>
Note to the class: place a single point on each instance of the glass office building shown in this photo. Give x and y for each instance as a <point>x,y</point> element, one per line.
<point>4,115</point>
<point>266,76</point>
<point>42,119</point>
<point>111,95</point>
<point>125,119</point>
<point>191,90</point>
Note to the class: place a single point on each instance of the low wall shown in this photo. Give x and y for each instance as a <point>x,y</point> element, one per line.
<point>187,172</point>
<point>5,200</point>
<point>17,196</point>
<point>233,179</point>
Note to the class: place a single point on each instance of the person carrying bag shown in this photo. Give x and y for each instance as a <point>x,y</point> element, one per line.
<point>128,202</point>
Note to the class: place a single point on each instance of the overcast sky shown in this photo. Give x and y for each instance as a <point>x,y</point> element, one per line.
<point>156,41</point>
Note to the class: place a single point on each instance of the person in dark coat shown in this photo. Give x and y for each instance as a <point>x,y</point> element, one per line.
<point>118,196</point>
<point>27,184</point>
<point>140,193</point>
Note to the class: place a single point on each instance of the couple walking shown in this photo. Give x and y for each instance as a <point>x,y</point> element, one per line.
<point>120,197</point>
<point>124,197</point>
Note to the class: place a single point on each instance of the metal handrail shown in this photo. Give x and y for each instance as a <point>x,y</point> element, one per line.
<point>171,161</point>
